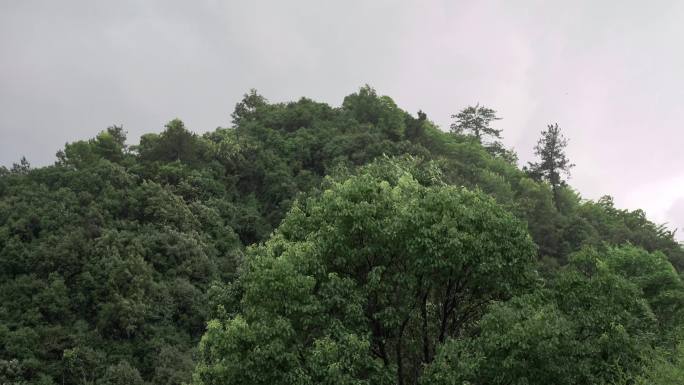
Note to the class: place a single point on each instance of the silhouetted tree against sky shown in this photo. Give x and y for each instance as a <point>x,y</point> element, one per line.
<point>553,163</point>
<point>475,120</point>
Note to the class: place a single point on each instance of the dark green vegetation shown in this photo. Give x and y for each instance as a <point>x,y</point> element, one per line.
<point>385,251</point>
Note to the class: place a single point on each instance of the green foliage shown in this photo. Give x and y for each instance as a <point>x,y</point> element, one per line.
<point>526,341</point>
<point>362,283</point>
<point>106,266</point>
<point>121,374</point>
<point>595,323</point>
<point>666,368</point>
<point>660,285</point>
<point>475,120</point>
<point>174,144</point>
<point>380,112</point>
<point>113,260</point>
<point>109,144</point>
<point>553,162</point>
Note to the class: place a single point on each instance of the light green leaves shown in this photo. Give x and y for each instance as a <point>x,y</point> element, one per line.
<point>364,282</point>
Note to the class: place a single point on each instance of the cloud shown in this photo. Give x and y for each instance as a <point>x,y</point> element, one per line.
<point>675,216</point>
<point>609,75</point>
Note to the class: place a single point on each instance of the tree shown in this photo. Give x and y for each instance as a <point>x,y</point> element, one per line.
<point>553,163</point>
<point>666,368</point>
<point>111,144</point>
<point>589,325</point>
<point>21,168</point>
<point>247,107</point>
<point>175,143</point>
<point>613,324</point>
<point>660,283</point>
<point>363,283</point>
<point>366,106</point>
<point>498,150</point>
<point>121,374</point>
<point>526,341</point>
<point>475,120</point>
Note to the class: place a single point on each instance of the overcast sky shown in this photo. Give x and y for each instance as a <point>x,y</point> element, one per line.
<point>611,73</point>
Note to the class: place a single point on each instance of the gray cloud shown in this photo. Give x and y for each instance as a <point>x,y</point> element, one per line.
<point>610,73</point>
<point>675,215</point>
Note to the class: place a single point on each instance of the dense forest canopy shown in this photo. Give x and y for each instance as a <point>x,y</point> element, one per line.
<point>309,244</point>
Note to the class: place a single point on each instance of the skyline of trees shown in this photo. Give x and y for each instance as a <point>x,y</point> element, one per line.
<point>339,232</point>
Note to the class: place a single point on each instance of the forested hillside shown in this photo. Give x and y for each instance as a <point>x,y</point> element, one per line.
<point>309,244</point>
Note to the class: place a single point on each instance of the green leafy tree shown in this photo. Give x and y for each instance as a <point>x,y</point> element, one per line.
<point>363,283</point>
<point>613,324</point>
<point>661,285</point>
<point>666,368</point>
<point>109,144</point>
<point>590,325</point>
<point>476,121</point>
<point>11,373</point>
<point>121,374</point>
<point>246,109</point>
<point>367,107</point>
<point>553,163</point>
<point>175,143</point>
<point>525,341</point>
<point>21,168</point>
